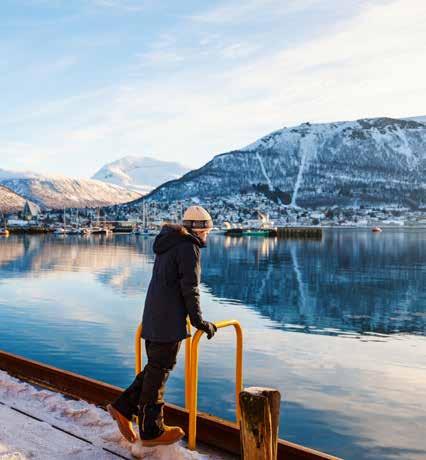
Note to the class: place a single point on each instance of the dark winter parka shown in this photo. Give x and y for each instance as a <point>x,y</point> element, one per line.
<point>173,292</point>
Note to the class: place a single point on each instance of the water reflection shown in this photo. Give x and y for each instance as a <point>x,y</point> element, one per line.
<point>74,303</point>
<point>118,262</point>
<point>350,281</point>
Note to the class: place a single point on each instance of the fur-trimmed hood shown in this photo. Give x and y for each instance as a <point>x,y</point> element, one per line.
<point>172,235</point>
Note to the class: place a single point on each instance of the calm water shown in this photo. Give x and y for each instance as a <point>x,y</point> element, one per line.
<point>337,325</point>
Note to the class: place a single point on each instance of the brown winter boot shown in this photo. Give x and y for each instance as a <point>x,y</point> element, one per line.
<point>170,435</point>
<point>125,426</point>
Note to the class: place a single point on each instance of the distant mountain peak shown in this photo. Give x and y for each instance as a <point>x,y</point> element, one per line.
<point>140,173</point>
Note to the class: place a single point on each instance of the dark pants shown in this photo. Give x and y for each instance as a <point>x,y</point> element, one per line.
<point>144,397</point>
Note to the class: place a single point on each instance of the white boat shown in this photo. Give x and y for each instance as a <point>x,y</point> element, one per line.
<point>99,230</point>
<point>61,230</point>
<point>144,229</point>
<point>4,231</point>
<point>76,228</point>
<point>73,231</point>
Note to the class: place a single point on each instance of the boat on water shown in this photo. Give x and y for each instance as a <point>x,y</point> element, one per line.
<point>62,230</point>
<point>4,231</point>
<point>99,230</point>
<point>377,230</point>
<point>257,232</point>
<point>85,231</point>
<point>263,227</point>
<point>144,231</point>
<point>74,231</point>
<point>144,228</point>
<point>76,228</point>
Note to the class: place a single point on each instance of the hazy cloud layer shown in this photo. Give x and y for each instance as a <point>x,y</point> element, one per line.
<point>184,82</point>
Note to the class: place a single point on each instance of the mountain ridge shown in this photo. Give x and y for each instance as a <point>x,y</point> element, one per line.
<point>10,201</point>
<point>54,192</point>
<point>370,160</point>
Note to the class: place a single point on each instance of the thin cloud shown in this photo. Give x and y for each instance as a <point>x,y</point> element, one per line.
<point>237,11</point>
<point>129,5</point>
<point>369,65</point>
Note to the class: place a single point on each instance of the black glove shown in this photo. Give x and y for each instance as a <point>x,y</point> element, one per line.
<point>209,328</point>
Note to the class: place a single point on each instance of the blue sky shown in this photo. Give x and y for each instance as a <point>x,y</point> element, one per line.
<point>85,82</point>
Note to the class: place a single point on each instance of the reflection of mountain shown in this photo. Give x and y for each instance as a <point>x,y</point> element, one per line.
<point>118,262</point>
<point>349,281</point>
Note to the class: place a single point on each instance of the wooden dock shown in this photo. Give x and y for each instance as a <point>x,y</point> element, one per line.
<point>300,232</point>
<point>31,230</point>
<point>212,431</point>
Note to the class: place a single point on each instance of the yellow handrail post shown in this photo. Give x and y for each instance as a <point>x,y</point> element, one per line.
<point>188,343</point>
<point>138,350</point>
<point>192,435</point>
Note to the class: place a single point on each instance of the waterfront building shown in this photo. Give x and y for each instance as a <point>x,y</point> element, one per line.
<point>31,211</point>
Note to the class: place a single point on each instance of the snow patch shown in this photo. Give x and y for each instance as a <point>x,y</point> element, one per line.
<point>141,174</point>
<point>75,416</point>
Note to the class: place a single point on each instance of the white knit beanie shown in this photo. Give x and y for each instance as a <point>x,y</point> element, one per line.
<point>196,217</point>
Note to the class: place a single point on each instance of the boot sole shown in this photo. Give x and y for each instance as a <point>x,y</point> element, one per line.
<point>111,412</point>
<point>149,443</point>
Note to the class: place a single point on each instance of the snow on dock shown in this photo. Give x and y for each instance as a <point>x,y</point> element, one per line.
<point>39,424</point>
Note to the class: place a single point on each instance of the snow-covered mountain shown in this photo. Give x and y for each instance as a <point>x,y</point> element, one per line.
<point>141,174</point>
<point>420,119</point>
<point>368,161</point>
<point>10,201</point>
<point>57,192</point>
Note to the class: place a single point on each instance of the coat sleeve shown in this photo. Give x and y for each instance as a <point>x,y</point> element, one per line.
<point>188,261</point>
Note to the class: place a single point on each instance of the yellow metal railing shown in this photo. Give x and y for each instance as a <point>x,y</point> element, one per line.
<point>191,371</point>
<point>192,435</point>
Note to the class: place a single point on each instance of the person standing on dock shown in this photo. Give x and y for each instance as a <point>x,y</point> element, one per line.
<point>173,295</point>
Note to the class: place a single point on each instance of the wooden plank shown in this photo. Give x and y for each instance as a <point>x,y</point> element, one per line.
<point>211,430</point>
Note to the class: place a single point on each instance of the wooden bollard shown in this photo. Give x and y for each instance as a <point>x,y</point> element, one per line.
<point>260,417</point>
